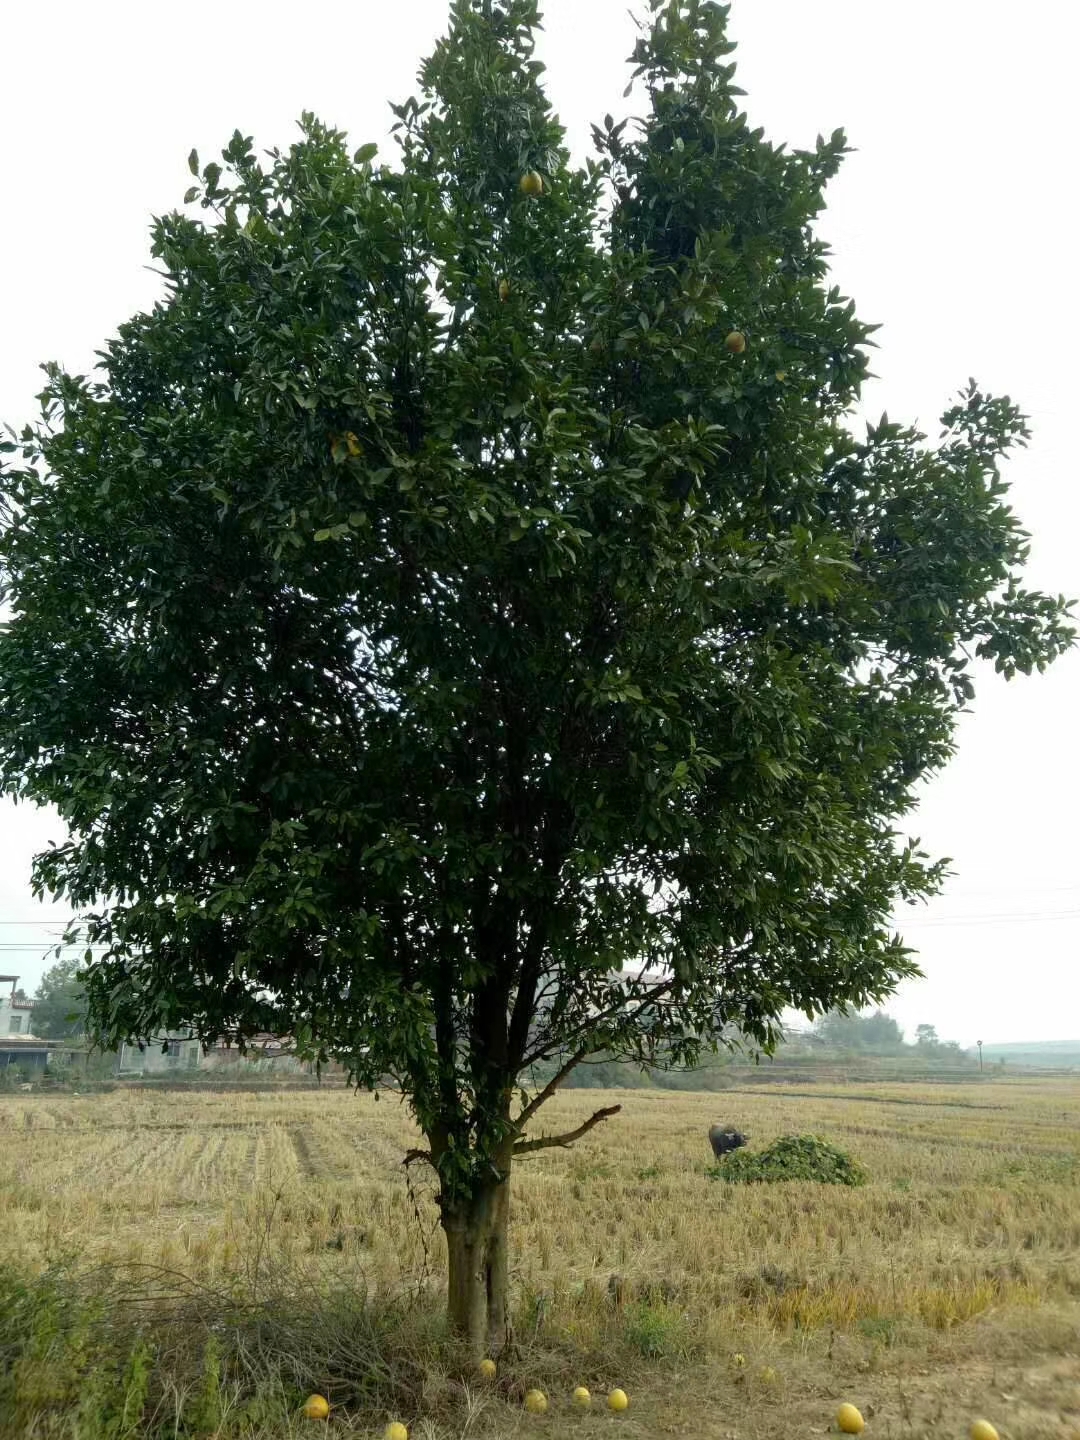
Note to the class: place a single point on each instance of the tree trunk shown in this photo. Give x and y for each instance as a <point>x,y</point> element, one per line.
<point>476,1240</point>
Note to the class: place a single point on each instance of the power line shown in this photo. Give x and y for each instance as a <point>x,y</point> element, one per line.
<point>51,945</point>
<point>1007,918</point>
<point>54,920</point>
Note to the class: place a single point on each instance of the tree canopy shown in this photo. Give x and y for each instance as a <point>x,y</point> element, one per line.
<point>459,623</point>
<point>878,1032</point>
<point>60,1002</point>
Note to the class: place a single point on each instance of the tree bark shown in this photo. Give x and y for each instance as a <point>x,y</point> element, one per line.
<point>478,1302</point>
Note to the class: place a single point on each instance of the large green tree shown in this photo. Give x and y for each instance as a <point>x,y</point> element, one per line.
<point>460,626</point>
<point>877,1032</point>
<point>60,1002</point>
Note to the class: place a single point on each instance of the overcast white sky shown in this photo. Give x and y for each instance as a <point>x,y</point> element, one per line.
<point>952,226</point>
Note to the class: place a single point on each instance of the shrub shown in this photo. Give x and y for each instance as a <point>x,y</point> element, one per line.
<point>791,1157</point>
<point>659,1331</point>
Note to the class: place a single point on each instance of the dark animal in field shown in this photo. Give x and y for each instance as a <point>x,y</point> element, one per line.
<point>724,1139</point>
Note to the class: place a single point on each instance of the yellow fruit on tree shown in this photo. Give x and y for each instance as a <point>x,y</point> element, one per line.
<point>735,342</point>
<point>487,1369</point>
<point>617,1400</point>
<point>531,183</point>
<point>849,1420</point>
<point>504,289</point>
<point>582,1397</point>
<point>396,1431</point>
<point>316,1407</point>
<point>535,1402</point>
<point>983,1430</point>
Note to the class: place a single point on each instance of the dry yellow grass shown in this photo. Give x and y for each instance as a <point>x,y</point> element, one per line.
<point>960,1259</point>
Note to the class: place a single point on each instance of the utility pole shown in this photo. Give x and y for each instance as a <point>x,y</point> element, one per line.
<point>979,1044</point>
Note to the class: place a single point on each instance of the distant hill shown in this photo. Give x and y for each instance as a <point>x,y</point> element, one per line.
<point>1048,1054</point>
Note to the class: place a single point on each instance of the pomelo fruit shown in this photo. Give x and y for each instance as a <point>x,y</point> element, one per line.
<point>850,1420</point>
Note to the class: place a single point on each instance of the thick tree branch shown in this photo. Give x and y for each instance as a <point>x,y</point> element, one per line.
<point>549,1089</point>
<point>445,1041</point>
<point>525,999</point>
<point>545,1142</point>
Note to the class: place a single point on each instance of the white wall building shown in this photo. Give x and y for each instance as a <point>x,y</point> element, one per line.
<point>15,1014</point>
<point>164,1053</point>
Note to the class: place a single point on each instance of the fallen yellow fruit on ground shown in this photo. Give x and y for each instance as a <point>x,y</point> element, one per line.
<point>316,1407</point>
<point>582,1397</point>
<point>535,1402</point>
<point>738,1360</point>
<point>396,1431</point>
<point>983,1430</point>
<point>767,1374</point>
<point>850,1420</point>
<point>487,1368</point>
<point>617,1400</point>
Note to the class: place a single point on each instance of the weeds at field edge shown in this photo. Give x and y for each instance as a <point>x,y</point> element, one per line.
<point>117,1353</point>
<point>121,1352</point>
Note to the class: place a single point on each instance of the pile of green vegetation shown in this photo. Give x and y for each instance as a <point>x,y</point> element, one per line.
<point>791,1157</point>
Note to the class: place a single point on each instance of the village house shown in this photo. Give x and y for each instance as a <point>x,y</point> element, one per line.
<point>178,1051</point>
<point>18,1043</point>
<point>15,1009</point>
<point>175,1050</point>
